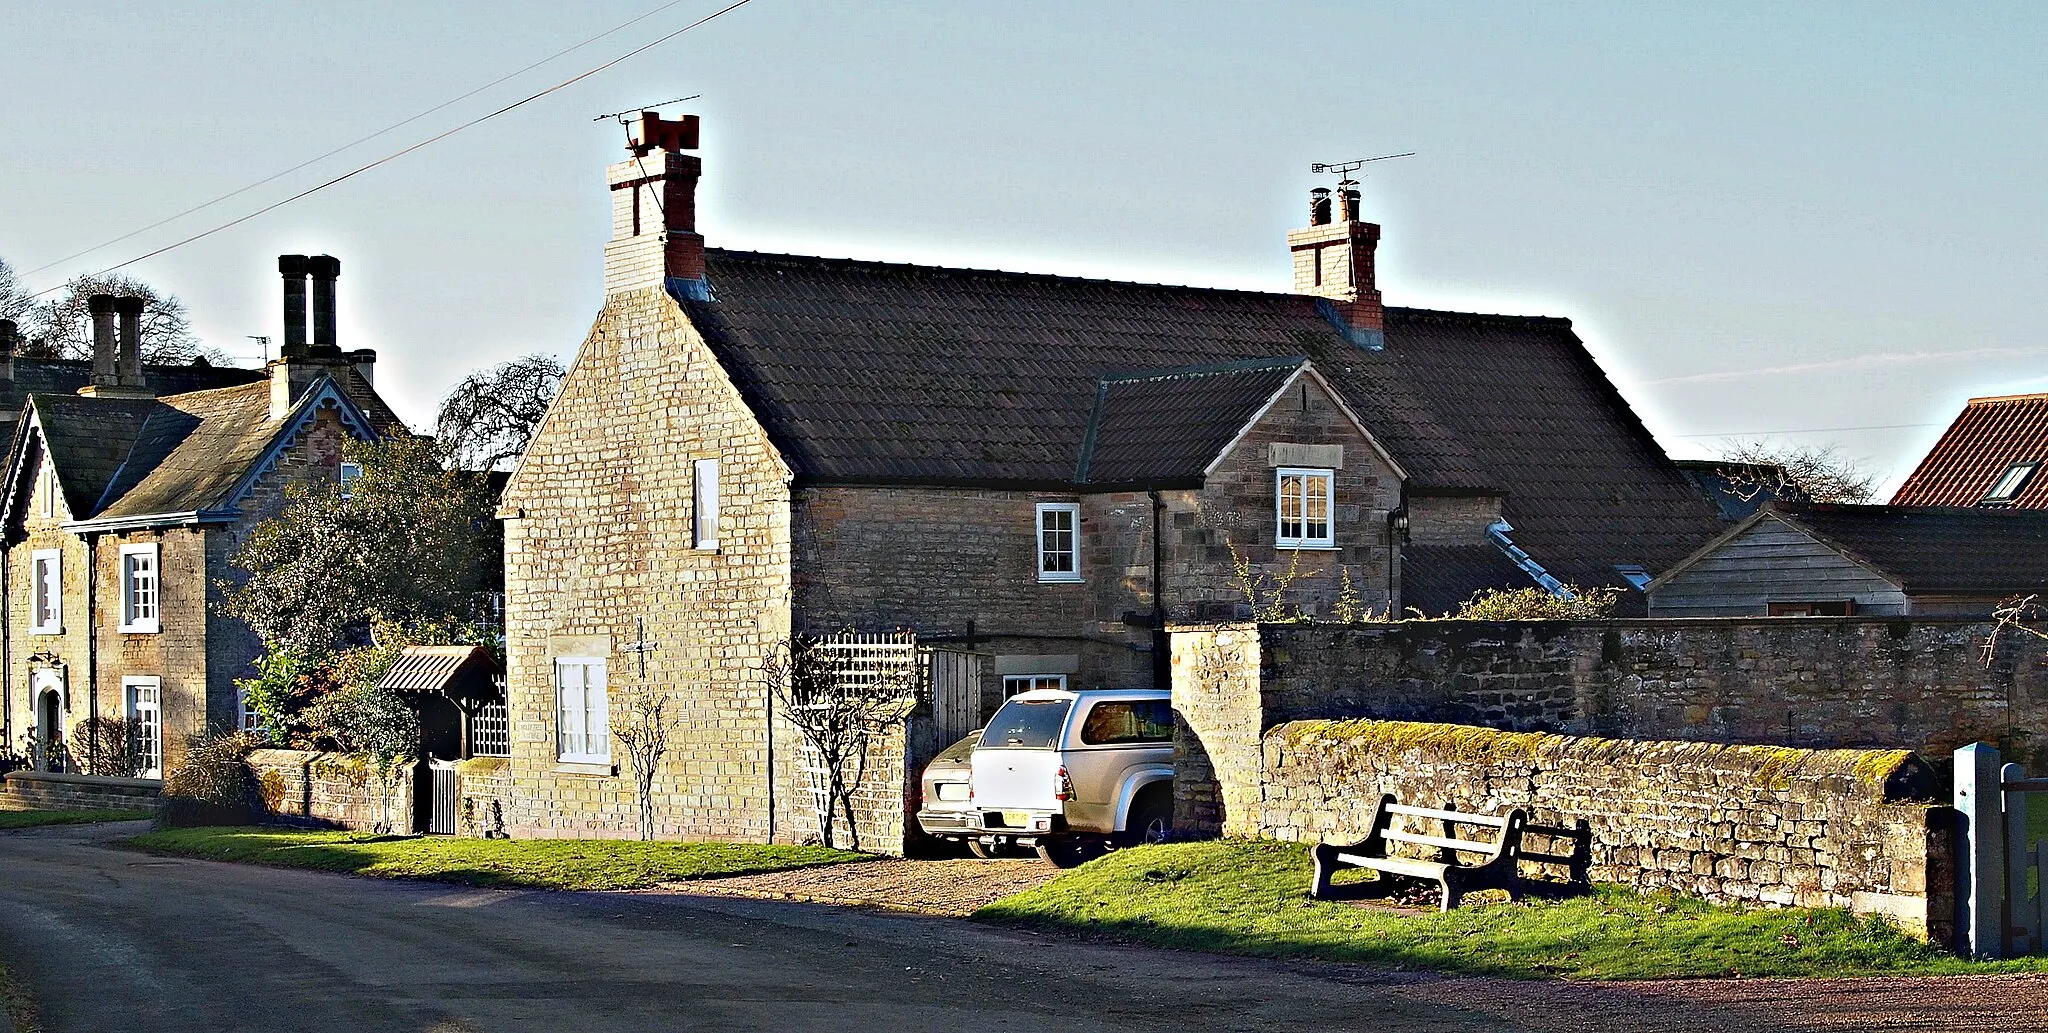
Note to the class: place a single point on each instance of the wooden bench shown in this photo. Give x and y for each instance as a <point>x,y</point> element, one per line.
<point>1498,867</point>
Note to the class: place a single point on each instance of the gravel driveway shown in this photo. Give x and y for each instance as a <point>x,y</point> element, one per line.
<point>111,940</point>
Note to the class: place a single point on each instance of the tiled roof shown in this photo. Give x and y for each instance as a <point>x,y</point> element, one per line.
<point>192,451</point>
<point>1437,579</point>
<point>1986,439</point>
<point>66,376</point>
<point>436,668</point>
<point>1168,426</point>
<point>866,372</point>
<point>1937,549</point>
<point>88,440</point>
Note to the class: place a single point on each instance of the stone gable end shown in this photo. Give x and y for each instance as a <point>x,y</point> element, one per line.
<point>600,550</point>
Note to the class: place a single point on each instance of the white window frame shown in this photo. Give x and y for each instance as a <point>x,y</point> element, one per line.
<point>1016,683</point>
<point>146,696</point>
<point>346,475</point>
<point>1073,511</point>
<point>1328,539</point>
<point>245,718</point>
<point>704,503</point>
<point>46,580</point>
<point>133,621</point>
<point>46,486</point>
<point>577,721</point>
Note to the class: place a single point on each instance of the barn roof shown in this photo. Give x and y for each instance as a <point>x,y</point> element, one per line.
<point>1925,550</point>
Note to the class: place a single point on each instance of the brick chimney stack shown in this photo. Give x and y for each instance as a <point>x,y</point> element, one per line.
<point>655,242</point>
<point>1333,259</point>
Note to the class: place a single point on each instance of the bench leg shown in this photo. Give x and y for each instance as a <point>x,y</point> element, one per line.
<point>1326,865</point>
<point>1450,894</point>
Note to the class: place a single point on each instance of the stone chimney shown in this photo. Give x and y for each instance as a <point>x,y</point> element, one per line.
<point>128,372</point>
<point>116,359</point>
<point>10,342</point>
<point>324,269</point>
<point>654,211</point>
<point>1333,260</point>
<point>293,269</point>
<point>105,351</point>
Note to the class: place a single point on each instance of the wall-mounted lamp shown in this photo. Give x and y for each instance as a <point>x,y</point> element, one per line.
<point>1397,523</point>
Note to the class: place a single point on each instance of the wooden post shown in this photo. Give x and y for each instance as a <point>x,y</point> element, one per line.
<point>1980,861</point>
<point>2023,912</point>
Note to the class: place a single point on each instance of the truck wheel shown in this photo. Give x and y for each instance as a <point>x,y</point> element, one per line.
<point>1151,821</point>
<point>1068,853</point>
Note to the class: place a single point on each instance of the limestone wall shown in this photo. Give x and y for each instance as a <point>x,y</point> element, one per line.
<point>329,790</point>
<point>1733,824</point>
<point>44,791</point>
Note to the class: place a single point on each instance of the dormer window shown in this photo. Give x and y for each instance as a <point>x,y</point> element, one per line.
<point>2009,484</point>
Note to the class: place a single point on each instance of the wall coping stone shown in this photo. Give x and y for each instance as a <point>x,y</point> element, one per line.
<point>105,781</point>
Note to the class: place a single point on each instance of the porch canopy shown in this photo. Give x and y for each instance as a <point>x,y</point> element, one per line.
<point>459,694</point>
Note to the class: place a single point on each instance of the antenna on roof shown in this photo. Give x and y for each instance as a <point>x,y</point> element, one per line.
<point>262,346</point>
<point>1344,169</point>
<point>623,118</point>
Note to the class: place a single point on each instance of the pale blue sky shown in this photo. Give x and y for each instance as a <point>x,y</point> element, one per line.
<point>1761,217</point>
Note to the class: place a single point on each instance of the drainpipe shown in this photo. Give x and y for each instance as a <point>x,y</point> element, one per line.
<point>1162,664</point>
<point>92,645</point>
<point>6,644</point>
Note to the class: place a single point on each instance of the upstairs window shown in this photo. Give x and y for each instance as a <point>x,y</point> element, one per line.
<point>46,592</point>
<point>1059,552</point>
<point>1303,500</point>
<point>2009,484</point>
<point>583,717</point>
<point>139,589</point>
<point>349,473</point>
<point>705,492</point>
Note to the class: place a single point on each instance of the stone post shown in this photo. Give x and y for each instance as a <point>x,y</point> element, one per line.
<point>1980,863</point>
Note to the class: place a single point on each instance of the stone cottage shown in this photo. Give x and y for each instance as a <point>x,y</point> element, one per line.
<point>1040,471</point>
<point>125,501</point>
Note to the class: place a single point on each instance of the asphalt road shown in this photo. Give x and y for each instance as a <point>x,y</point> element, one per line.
<point>112,940</point>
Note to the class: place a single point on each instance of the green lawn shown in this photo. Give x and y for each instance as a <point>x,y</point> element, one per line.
<point>31,819</point>
<point>556,864</point>
<point>1251,898</point>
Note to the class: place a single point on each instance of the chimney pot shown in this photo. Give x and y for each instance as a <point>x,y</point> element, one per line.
<point>293,269</point>
<point>105,351</point>
<point>128,371</point>
<point>324,269</point>
<point>1319,206</point>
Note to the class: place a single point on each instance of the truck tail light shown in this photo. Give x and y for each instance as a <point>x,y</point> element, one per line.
<point>1064,787</point>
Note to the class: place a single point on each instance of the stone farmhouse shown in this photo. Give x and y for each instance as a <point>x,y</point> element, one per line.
<point>1817,560</point>
<point>1040,471</point>
<point>1987,457</point>
<point>126,496</point>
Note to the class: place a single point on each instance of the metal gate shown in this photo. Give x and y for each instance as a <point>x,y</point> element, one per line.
<point>2002,866</point>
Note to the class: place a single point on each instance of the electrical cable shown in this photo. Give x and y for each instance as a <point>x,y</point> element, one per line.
<point>359,170</point>
<point>355,142</point>
<point>1808,430</point>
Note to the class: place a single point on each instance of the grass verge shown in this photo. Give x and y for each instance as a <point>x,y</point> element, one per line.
<point>32,819</point>
<point>1238,897</point>
<point>554,864</point>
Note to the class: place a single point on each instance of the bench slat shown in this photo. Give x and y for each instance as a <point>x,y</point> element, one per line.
<point>1438,841</point>
<point>1457,816</point>
<point>1397,865</point>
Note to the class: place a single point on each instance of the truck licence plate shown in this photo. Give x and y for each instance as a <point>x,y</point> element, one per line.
<point>1017,819</point>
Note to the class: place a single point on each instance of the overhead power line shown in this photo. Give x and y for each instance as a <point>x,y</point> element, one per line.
<point>402,152</point>
<point>1808,430</point>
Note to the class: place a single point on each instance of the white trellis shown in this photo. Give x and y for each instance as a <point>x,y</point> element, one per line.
<point>866,665</point>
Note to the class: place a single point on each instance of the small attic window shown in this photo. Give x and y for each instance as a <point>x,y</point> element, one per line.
<point>2009,484</point>
<point>1636,575</point>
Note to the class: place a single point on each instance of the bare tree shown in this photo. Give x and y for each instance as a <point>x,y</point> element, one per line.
<point>645,737</point>
<point>1796,473</point>
<point>840,704</point>
<point>14,299</point>
<point>487,421</point>
<point>65,327</point>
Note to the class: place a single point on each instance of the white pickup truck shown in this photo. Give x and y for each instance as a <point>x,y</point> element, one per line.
<point>1066,773</point>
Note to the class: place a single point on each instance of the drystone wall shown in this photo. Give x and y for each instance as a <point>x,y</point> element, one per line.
<point>46,791</point>
<point>330,790</point>
<point>1737,824</point>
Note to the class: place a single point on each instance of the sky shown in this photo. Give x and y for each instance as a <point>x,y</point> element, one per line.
<point>1820,224</point>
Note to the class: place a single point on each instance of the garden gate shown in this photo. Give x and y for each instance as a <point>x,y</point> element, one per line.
<point>2002,863</point>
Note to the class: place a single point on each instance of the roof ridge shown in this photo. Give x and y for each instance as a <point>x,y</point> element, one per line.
<point>1404,312</point>
<point>1207,369</point>
<point>1986,399</point>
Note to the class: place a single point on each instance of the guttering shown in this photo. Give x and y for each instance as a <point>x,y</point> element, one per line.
<point>153,520</point>
<point>1000,484</point>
